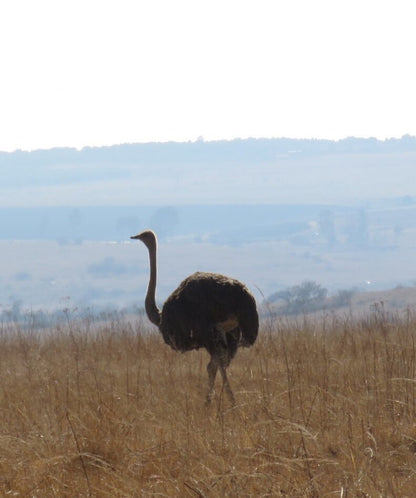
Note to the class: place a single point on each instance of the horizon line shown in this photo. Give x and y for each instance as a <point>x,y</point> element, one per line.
<point>201,139</point>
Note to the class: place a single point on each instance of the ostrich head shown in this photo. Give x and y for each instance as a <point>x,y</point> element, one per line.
<point>148,237</point>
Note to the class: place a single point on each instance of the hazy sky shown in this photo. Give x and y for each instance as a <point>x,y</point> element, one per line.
<point>87,72</point>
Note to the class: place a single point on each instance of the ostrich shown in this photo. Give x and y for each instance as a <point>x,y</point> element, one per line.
<point>207,310</point>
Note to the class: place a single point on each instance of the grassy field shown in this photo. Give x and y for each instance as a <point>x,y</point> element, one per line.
<point>323,409</point>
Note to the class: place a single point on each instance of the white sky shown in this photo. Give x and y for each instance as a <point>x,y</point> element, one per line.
<point>87,72</point>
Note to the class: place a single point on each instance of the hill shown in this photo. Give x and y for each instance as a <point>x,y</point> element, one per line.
<point>265,171</point>
<point>272,212</point>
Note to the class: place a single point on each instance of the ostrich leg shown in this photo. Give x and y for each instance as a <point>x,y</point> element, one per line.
<point>226,384</point>
<point>221,356</point>
<point>218,360</point>
<point>212,368</point>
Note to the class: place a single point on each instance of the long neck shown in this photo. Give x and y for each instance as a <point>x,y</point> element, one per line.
<point>152,311</point>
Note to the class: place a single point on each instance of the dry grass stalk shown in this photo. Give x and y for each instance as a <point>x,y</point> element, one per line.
<point>323,409</point>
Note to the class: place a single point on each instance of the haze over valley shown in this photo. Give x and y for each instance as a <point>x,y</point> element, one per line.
<point>272,213</point>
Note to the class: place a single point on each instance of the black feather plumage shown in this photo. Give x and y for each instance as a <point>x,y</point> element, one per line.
<point>199,302</point>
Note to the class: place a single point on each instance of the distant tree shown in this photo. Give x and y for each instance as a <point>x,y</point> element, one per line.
<point>358,233</point>
<point>407,200</point>
<point>308,296</point>
<point>398,230</point>
<point>126,225</point>
<point>14,313</point>
<point>109,267</point>
<point>164,220</point>
<point>22,276</point>
<point>75,222</point>
<point>326,226</point>
<point>342,297</point>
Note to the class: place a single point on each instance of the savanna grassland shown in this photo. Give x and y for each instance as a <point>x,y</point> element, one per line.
<point>323,408</point>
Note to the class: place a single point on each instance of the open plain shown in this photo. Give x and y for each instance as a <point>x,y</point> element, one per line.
<point>324,407</point>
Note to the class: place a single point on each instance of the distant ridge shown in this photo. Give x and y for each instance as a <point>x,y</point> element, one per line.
<point>259,149</point>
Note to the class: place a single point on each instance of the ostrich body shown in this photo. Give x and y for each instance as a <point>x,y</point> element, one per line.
<point>207,310</point>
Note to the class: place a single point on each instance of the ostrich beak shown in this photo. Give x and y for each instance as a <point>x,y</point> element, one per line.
<point>146,236</point>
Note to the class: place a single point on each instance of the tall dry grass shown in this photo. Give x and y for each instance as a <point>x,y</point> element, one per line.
<point>323,409</point>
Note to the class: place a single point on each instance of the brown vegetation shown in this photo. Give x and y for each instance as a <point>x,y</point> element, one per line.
<point>323,409</point>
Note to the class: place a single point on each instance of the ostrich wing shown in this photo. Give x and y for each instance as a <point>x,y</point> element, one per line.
<point>199,303</point>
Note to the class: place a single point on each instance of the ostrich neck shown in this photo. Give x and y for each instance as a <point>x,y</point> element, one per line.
<point>152,310</point>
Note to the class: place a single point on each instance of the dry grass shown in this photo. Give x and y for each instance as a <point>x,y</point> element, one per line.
<point>324,409</point>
